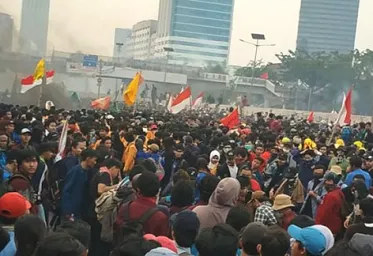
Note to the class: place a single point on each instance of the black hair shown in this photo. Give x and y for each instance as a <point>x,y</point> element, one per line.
<point>29,230</point>
<point>207,186</point>
<point>342,249</point>
<point>238,218</point>
<point>76,142</point>
<point>46,146</point>
<point>275,242</point>
<point>185,229</point>
<point>137,169</point>
<point>129,137</point>
<point>135,246</point>
<point>112,162</point>
<point>366,206</point>
<point>105,139</point>
<point>148,184</point>
<point>261,160</point>
<point>319,166</point>
<point>356,162</point>
<point>4,238</point>
<point>221,240</point>
<point>201,164</point>
<point>89,153</point>
<point>240,151</point>
<point>11,156</point>
<point>180,175</point>
<point>49,121</point>
<point>60,244</point>
<point>244,181</point>
<point>302,221</point>
<point>182,194</point>
<point>26,154</point>
<point>149,165</point>
<point>78,229</point>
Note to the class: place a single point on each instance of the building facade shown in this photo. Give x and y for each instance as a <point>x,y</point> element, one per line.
<point>142,34</point>
<point>34,27</point>
<point>327,25</point>
<point>197,31</point>
<point>122,52</point>
<point>6,32</point>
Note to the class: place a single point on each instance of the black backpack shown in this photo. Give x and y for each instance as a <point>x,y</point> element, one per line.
<point>131,227</point>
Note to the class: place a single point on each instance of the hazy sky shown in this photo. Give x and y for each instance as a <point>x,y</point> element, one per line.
<point>88,25</point>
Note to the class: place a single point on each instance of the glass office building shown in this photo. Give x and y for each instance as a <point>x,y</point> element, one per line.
<point>198,31</point>
<point>327,25</point>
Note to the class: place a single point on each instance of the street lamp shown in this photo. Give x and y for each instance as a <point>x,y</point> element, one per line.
<point>167,50</point>
<point>119,48</point>
<point>256,37</point>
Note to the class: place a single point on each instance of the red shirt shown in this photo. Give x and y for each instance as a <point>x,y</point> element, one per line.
<point>265,155</point>
<point>329,211</point>
<point>255,186</point>
<point>287,217</point>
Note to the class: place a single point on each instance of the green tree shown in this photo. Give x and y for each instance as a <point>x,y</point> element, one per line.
<point>216,68</point>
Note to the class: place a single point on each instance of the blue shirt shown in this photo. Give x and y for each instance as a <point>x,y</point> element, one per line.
<point>10,248</point>
<point>351,175</point>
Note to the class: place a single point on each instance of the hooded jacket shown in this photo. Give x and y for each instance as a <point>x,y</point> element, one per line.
<point>362,244</point>
<point>221,201</point>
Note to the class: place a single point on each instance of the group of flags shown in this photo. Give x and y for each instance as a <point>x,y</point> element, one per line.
<point>184,100</point>
<point>36,79</point>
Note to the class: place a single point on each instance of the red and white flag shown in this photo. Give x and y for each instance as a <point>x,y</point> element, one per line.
<point>197,102</point>
<point>169,104</point>
<point>62,143</point>
<point>182,101</point>
<point>101,103</point>
<point>310,117</point>
<point>31,81</point>
<point>344,115</point>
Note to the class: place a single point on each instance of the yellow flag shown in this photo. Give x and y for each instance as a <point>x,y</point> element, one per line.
<point>130,94</point>
<point>39,70</point>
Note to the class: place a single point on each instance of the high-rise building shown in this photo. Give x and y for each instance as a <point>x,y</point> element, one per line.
<point>122,44</point>
<point>327,25</point>
<point>6,32</point>
<point>142,34</point>
<point>34,27</point>
<point>195,32</point>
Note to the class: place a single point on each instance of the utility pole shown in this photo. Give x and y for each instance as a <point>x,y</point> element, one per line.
<point>99,79</point>
<point>119,48</point>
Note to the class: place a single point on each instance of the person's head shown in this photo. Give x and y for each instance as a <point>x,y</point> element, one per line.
<point>107,142</point>
<point>9,127</point>
<point>4,141</point>
<point>153,148</point>
<point>182,194</point>
<point>308,156</point>
<point>103,132</point>
<point>147,184</point>
<point>240,155</point>
<point>251,237</point>
<point>25,136</point>
<point>179,151</point>
<point>230,158</point>
<point>29,230</point>
<point>323,149</point>
<point>245,185</point>
<point>282,202</point>
<point>302,221</point>
<point>207,187</point>
<point>12,206</point>
<point>214,157</point>
<point>238,217</point>
<point>275,242</point>
<point>51,125</point>
<point>46,150</point>
<point>89,157</point>
<point>227,192</point>
<point>259,149</point>
<point>114,166</point>
<point>318,171</point>
<point>366,207</point>
<point>4,238</point>
<point>315,240</point>
<point>257,162</point>
<point>129,137</point>
<point>78,229</point>
<point>77,147</point>
<point>331,181</point>
<point>368,161</point>
<point>355,162</point>
<point>60,244</point>
<point>11,160</point>
<point>221,240</point>
<point>342,248</point>
<point>135,246</point>
<point>202,164</point>
<point>27,161</point>
<point>185,228</point>
<point>246,171</point>
<point>282,159</point>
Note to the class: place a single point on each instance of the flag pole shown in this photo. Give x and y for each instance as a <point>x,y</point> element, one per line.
<point>44,82</point>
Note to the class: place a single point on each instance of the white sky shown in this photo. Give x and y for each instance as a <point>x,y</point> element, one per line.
<point>88,25</point>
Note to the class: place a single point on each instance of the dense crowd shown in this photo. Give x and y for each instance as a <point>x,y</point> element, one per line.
<point>146,182</point>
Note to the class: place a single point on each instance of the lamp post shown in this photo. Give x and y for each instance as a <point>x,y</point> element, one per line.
<point>257,37</point>
<point>119,48</point>
<point>167,50</point>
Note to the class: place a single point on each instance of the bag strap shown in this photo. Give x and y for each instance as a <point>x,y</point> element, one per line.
<point>149,213</point>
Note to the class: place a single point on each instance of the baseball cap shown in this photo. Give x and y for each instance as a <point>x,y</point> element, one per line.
<point>13,205</point>
<point>25,130</point>
<point>153,127</point>
<point>316,239</point>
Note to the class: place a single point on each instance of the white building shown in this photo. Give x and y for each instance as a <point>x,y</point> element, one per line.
<point>34,27</point>
<point>197,31</point>
<point>6,32</point>
<point>142,34</point>
<point>122,36</point>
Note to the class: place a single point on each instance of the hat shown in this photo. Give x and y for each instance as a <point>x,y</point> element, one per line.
<point>25,130</point>
<point>336,169</point>
<point>163,240</point>
<point>13,205</point>
<point>160,251</point>
<point>230,154</point>
<point>253,233</point>
<point>368,156</point>
<point>179,147</point>
<point>282,201</point>
<point>285,140</point>
<point>336,178</point>
<point>358,144</point>
<point>109,117</point>
<point>153,127</point>
<point>339,143</point>
<point>315,239</point>
<point>153,147</point>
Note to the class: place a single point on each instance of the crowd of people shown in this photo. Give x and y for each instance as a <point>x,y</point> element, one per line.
<point>145,182</point>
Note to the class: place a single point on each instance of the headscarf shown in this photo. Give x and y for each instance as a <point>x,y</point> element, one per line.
<point>221,201</point>
<point>213,167</point>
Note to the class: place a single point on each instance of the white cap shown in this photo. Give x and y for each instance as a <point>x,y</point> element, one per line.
<point>109,117</point>
<point>25,130</point>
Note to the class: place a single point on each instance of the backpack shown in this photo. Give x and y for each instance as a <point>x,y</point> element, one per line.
<point>29,193</point>
<point>130,227</point>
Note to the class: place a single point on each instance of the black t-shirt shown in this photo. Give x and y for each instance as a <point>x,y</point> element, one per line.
<point>100,178</point>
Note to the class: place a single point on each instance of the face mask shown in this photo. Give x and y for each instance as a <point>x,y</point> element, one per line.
<point>329,187</point>
<point>248,147</point>
<point>318,176</point>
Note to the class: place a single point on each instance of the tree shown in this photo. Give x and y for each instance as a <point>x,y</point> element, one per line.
<point>216,68</point>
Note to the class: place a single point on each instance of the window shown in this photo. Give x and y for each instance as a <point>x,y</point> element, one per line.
<point>202,21</point>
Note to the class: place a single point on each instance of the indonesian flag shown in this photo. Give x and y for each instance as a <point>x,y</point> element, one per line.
<point>264,76</point>
<point>62,143</point>
<point>232,119</point>
<point>344,115</point>
<point>197,102</point>
<point>37,78</point>
<point>101,103</point>
<point>169,104</point>
<point>182,101</point>
<point>310,117</point>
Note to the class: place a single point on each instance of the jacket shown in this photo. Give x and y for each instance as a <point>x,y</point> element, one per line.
<point>129,157</point>
<point>315,202</point>
<point>297,196</point>
<point>329,211</point>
